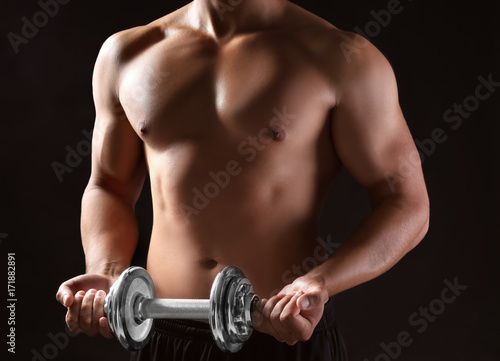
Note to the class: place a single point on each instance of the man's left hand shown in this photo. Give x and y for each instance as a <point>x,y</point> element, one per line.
<point>294,312</point>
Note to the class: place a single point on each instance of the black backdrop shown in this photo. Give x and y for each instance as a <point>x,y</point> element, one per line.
<point>439,51</point>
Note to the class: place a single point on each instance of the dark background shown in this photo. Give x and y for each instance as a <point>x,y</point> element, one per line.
<point>438,50</point>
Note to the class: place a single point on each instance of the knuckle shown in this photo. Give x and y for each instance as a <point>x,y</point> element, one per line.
<point>86,320</point>
<point>86,304</point>
<point>275,316</point>
<point>99,299</point>
<point>74,329</point>
<point>78,300</point>
<point>71,318</point>
<point>88,298</point>
<point>285,317</point>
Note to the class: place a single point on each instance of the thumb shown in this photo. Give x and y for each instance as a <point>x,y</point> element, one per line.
<point>65,296</point>
<point>309,301</point>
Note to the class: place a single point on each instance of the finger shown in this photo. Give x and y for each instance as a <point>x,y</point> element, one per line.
<point>72,323</point>
<point>104,328</point>
<point>67,290</point>
<point>98,308</point>
<point>285,290</point>
<point>73,314</point>
<point>267,326</point>
<point>82,283</point>
<point>65,294</point>
<point>291,309</point>
<point>86,312</point>
<point>269,305</point>
<point>300,327</point>
<point>257,316</point>
<point>276,319</point>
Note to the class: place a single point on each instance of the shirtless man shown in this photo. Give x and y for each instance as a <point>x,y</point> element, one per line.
<point>243,112</point>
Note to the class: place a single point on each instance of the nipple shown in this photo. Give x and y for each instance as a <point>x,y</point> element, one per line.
<point>277,133</point>
<point>143,128</point>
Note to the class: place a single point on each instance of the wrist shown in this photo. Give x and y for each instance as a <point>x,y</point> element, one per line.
<point>107,269</point>
<point>325,280</point>
<point>317,277</point>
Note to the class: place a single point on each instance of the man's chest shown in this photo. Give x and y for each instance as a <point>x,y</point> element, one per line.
<point>191,89</point>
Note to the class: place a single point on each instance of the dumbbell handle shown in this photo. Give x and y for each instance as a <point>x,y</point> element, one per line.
<point>194,309</point>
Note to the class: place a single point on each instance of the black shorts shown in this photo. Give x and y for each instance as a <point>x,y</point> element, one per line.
<point>186,340</point>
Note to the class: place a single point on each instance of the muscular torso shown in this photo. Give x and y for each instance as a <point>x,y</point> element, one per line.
<point>238,146</point>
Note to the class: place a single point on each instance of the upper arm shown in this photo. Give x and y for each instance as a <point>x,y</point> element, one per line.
<point>117,152</point>
<point>370,133</point>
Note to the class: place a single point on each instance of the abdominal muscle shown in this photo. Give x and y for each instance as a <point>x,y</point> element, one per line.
<point>264,221</point>
<point>184,258</point>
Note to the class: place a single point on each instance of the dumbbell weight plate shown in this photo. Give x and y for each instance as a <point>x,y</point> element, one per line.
<point>121,308</point>
<point>231,300</point>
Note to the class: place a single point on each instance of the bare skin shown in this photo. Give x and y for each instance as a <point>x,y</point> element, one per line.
<point>257,108</point>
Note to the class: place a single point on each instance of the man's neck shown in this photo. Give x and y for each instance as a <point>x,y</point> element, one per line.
<point>222,19</point>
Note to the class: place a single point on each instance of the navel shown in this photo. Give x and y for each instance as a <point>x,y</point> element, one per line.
<point>209,263</point>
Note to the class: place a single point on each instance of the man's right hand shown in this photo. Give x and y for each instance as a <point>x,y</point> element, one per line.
<point>84,297</point>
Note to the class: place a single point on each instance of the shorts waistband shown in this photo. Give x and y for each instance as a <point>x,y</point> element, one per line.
<point>191,329</point>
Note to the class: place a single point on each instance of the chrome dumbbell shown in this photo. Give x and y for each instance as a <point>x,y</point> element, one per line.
<point>131,307</point>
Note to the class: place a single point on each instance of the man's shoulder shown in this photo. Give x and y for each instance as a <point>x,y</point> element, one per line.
<point>343,52</point>
<point>339,53</point>
<point>122,44</point>
<point>328,42</point>
<point>316,29</point>
<point>346,58</point>
<point>125,44</point>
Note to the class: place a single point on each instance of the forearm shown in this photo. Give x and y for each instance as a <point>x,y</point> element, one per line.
<point>394,227</point>
<point>109,231</point>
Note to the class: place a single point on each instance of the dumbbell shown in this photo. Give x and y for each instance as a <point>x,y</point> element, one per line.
<point>131,306</point>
